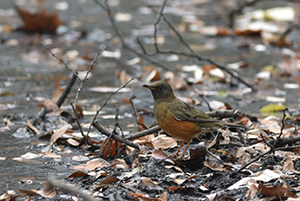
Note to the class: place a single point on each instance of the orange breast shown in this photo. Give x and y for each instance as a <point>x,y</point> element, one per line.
<point>185,130</point>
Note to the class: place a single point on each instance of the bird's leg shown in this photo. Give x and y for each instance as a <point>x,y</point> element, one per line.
<point>185,148</point>
<point>176,153</point>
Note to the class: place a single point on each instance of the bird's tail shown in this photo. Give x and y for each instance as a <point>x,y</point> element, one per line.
<point>231,125</point>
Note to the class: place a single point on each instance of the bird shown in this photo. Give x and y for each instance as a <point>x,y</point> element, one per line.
<point>180,119</point>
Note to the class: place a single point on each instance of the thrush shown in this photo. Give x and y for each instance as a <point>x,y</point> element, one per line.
<point>178,118</point>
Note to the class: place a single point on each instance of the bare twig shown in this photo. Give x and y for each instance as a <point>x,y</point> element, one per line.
<point>61,60</point>
<point>101,129</point>
<point>74,106</point>
<point>133,108</point>
<point>107,9</point>
<point>156,24</point>
<point>87,74</point>
<point>143,133</point>
<point>105,102</point>
<point>138,40</point>
<point>192,53</point>
<point>70,189</point>
<point>114,132</point>
<point>273,147</point>
<point>265,153</point>
<point>66,92</point>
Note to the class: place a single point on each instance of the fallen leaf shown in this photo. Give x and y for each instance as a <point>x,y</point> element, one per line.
<point>158,154</point>
<point>57,93</point>
<point>112,149</point>
<point>47,191</point>
<point>32,127</point>
<point>78,174</point>
<point>150,183</point>
<point>8,195</point>
<point>277,191</point>
<point>41,22</point>
<point>163,142</point>
<point>52,106</point>
<point>108,181</point>
<point>272,108</point>
<point>92,164</point>
<point>119,163</point>
<point>58,133</point>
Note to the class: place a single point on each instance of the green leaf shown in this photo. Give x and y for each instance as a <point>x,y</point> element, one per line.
<point>272,108</point>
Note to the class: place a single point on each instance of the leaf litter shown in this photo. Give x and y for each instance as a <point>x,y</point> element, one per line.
<point>115,171</point>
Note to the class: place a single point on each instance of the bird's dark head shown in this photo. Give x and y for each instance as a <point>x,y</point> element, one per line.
<point>161,91</point>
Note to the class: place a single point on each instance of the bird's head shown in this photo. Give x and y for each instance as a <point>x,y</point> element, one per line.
<point>161,91</point>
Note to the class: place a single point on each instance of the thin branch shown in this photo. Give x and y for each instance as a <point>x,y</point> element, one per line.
<point>87,74</point>
<point>66,92</point>
<point>61,60</point>
<point>282,127</point>
<point>70,189</point>
<point>265,153</point>
<point>156,24</point>
<point>133,108</point>
<point>170,25</point>
<point>107,9</point>
<point>143,133</point>
<point>192,53</point>
<point>102,130</point>
<point>105,102</point>
<point>139,42</point>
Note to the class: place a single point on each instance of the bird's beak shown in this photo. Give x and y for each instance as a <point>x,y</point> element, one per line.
<point>148,86</point>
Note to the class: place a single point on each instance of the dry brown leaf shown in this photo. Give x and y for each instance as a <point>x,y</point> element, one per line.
<point>73,142</point>
<point>173,188</point>
<point>92,164</point>
<point>57,93</point>
<point>108,181</point>
<point>143,197</point>
<point>141,123</point>
<point>32,127</point>
<point>78,174</point>
<point>8,195</point>
<point>58,133</point>
<point>181,181</point>
<point>51,155</point>
<point>163,196</point>
<point>41,22</point>
<point>119,163</point>
<point>110,149</point>
<point>158,154</point>
<point>51,106</point>
<point>123,76</point>
<point>145,140</point>
<point>223,31</point>
<point>208,67</point>
<point>174,167</point>
<point>247,32</point>
<point>79,111</point>
<point>150,183</point>
<point>288,166</point>
<point>47,191</point>
<point>215,164</point>
<point>277,191</point>
<point>164,142</point>
<point>154,75</point>
<point>252,191</point>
